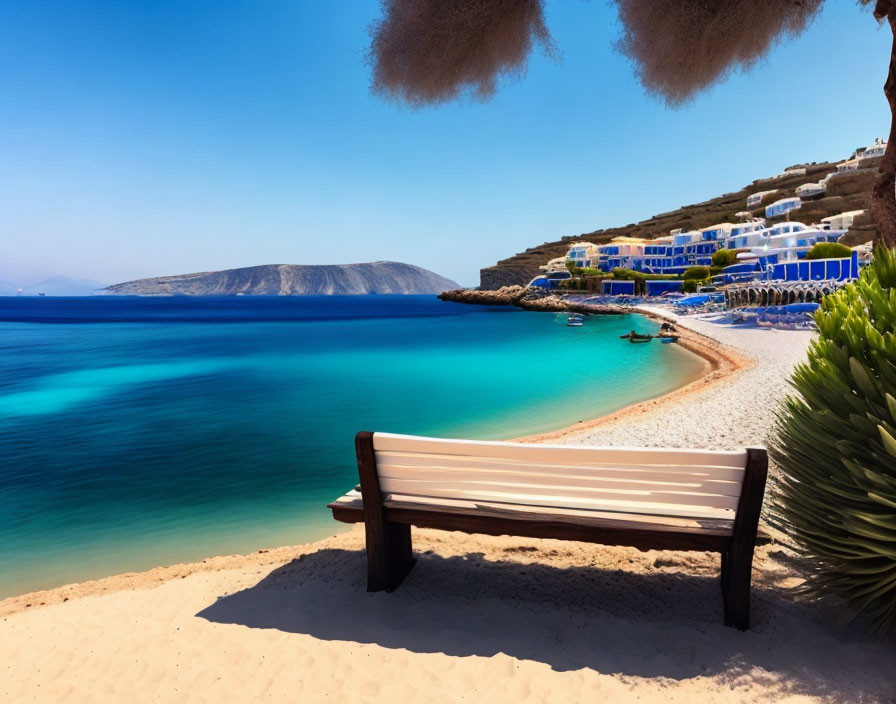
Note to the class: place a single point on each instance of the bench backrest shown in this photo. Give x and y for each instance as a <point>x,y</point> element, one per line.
<point>667,482</point>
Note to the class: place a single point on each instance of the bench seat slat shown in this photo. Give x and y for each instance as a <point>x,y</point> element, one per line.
<point>349,508</point>
<point>644,532</point>
<point>650,503</point>
<point>398,459</point>
<point>597,479</point>
<point>352,507</point>
<point>389,442</point>
<point>720,526</point>
<point>526,490</point>
<point>417,459</point>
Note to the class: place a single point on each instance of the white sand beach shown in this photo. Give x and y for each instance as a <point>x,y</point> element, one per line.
<point>479,619</point>
<point>732,411</point>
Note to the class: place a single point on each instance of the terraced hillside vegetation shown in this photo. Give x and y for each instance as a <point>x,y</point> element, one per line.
<point>846,191</point>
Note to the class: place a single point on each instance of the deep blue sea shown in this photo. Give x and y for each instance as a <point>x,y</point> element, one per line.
<point>136,432</point>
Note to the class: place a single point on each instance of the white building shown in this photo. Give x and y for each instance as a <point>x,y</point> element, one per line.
<point>782,207</point>
<point>584,255</point>
<point>556,264</point>
<point>810,190</point>
<point>755,199</point>
<point>629,246</point>
<point>784,242</point>
<point>875,150</point>
<point>843,221</point>
<point>863,154</point>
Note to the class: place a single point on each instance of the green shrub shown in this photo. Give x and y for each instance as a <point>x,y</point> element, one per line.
<point>696,272</point>
<point>625,274</point>
<point>631,275</point>
<point>690,285</point>
<point>724,257</point>
<point>829,250</point>
<point>835,447</point>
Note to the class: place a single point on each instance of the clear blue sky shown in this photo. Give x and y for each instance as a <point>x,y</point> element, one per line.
<point>148,138</point>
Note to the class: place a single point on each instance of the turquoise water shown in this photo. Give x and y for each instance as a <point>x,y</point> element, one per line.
<point>138,432</point>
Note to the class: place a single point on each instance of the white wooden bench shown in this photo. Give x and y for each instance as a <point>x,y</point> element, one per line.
<point>669,499</point>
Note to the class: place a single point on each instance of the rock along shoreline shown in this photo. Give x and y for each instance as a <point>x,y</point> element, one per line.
<point>523,298</point>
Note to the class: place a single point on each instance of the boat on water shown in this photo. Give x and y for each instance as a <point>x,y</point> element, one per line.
<point>575,320</point>
<point>636,337</point>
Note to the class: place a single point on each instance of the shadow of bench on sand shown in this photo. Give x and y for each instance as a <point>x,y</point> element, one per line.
<point>655,624</point>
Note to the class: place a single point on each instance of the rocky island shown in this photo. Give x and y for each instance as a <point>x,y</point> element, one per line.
<point>293,280</point>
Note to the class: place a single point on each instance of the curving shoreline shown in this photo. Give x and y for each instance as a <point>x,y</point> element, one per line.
<point>721,362</point>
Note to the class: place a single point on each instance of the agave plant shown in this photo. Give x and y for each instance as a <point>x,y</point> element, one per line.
<point>835,448</point>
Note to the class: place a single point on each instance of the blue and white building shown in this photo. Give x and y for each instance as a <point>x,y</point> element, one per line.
<point>775,252</point>
<point>583,255</point>
<point>782,207</point>
<point>754,200</point>
<point>769,250</point>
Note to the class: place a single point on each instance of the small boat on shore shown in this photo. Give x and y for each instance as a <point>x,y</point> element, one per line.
<point>636,337</point>
<point>666,339</point>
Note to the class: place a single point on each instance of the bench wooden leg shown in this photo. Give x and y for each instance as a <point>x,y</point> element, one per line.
<point>737,567</point>
<point>390,556</point>
<point>737,561</point>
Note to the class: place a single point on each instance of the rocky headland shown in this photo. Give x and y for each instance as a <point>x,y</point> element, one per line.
<point>530,300</point>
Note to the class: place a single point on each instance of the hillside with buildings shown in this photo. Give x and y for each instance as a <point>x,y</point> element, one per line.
<point>822,190</point>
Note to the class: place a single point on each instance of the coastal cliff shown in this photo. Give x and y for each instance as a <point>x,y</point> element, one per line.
<point>293,280</point>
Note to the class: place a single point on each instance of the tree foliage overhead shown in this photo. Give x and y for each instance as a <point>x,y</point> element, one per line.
<point>682,48</point>
<point>430,51</point>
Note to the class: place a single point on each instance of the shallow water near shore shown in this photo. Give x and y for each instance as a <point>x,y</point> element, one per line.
<point>136,432</point>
